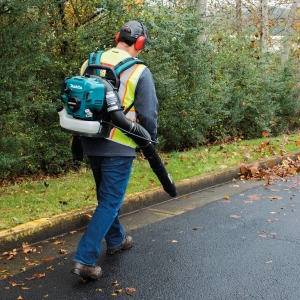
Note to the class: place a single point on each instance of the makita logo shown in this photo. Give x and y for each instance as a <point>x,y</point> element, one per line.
<point>76,86</point>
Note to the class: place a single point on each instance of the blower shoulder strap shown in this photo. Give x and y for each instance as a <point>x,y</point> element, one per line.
<point>126,64</point>
<point>94,58</point>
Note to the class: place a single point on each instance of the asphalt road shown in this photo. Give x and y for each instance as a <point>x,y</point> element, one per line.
<point>236,241</point>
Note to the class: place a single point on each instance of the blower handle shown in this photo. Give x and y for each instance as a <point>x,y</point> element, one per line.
<point>116,78</point>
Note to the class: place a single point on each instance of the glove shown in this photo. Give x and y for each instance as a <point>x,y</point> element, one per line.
<point>76,148</point>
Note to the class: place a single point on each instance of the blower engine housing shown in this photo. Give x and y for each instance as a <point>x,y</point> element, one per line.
<point>84,97</point>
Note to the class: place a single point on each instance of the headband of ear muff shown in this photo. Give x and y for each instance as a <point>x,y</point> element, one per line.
<point>137,31</point>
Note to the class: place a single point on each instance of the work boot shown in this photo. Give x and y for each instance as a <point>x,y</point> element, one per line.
<point>86,271</point>
<point>127,244</point>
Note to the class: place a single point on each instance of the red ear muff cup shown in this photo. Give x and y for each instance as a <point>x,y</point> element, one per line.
<point>117,37</point>
<point>140,43</point>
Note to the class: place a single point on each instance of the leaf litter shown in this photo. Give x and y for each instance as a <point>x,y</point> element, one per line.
<point>287,168</point>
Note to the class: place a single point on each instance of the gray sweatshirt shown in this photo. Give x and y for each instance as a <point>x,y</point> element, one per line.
<point>146,106</point>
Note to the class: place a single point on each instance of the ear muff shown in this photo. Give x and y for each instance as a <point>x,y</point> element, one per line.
<point>117,37</point>
<point>140,43</point>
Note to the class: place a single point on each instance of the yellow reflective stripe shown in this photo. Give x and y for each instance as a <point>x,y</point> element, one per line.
<point>119,137</point>
<point>132,75</point>
<point>133,78</point>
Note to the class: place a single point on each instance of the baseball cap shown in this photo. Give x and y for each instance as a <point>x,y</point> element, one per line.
<point>137,29</point>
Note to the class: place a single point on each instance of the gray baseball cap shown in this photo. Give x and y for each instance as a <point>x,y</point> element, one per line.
<point>137,29</point>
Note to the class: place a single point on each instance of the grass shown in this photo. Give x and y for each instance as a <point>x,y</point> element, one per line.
<point>32,200</point>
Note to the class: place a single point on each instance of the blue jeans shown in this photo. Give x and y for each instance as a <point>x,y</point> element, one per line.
<point>111,175</point>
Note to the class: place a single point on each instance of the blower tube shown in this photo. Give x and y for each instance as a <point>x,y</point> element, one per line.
<point>141,137</point>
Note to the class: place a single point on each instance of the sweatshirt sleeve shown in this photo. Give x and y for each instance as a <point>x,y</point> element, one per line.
<point>146,104</point>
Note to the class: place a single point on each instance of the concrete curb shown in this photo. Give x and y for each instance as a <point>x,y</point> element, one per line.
<point>33,232</point>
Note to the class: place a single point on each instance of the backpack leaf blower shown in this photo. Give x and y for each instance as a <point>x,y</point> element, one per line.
<point>93,107</point>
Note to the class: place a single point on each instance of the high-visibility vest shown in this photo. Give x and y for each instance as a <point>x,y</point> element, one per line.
<point>128,82</point>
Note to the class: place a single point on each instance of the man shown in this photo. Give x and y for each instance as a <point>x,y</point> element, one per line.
<point>111,159</point>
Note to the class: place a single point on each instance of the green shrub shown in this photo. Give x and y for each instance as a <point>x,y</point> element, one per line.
<point>207,91</point>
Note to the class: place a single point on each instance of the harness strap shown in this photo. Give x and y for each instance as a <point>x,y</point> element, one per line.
<point>95,57</point>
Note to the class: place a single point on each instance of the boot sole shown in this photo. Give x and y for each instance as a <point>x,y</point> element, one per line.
<point>113,252</point>
<point>83,274</point>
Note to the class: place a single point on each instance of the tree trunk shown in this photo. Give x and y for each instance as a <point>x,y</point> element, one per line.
<point>239,23</point>
<point>264,25</point>
<point>202,8</point>
<point>288,30</point>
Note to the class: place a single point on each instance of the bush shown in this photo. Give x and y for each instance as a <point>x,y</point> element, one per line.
<point>206,91</point>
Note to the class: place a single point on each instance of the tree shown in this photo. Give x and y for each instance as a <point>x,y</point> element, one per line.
<point>239,16</point>
<point>288,31</point>
<point>264,25</point>
<point>202,9</point>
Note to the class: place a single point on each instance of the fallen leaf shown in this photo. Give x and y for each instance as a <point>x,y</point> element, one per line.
<point>263,235</point>
<point>57,242</point>
<point>34,276</point>
<point>254,197</point>
<point>63,251</point>
<point>47,259</point>
<point>27,249</point>
<point>275,198</point>
<point>235,216</point>
<point>269,261</point>
<point>11,254</point>
<point>31,264</point>
<point>17,283</point>
<point>197,228</point>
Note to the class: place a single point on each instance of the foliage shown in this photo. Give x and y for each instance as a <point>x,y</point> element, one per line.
<point>207,91</point>
<point>42,196</point>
